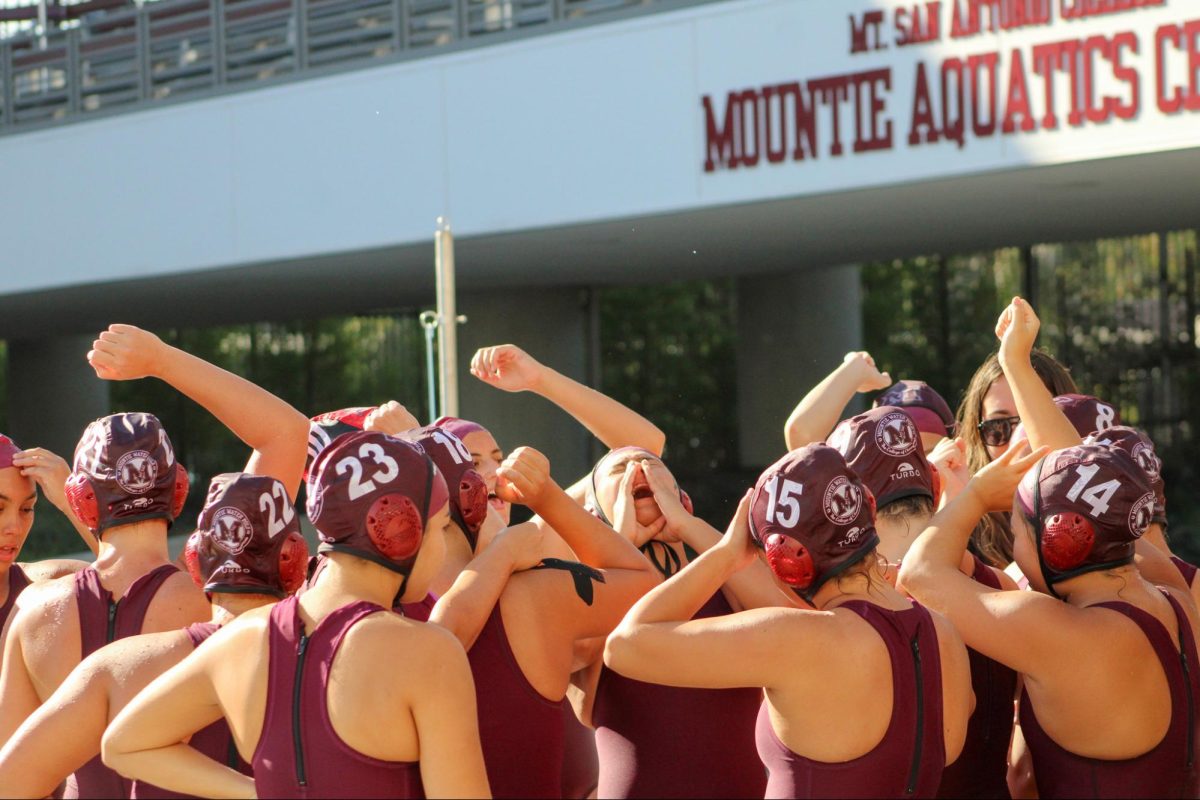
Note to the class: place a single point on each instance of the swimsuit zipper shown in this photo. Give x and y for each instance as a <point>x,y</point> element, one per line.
<point>301,778</point>
<point>112,620</point>
<point>916,762</point>
<point>1191,719</point>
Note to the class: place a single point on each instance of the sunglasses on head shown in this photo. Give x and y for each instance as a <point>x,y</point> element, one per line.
<point>998,432</point>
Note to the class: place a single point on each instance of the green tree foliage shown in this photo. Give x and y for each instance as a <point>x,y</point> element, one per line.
<point>1121,313</point>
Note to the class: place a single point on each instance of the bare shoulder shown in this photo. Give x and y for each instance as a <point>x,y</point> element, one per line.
<point>51,568</point>
<point>395,636</point>
<point>178,602</point>
<point>46,601</point>
<point>125,658</point>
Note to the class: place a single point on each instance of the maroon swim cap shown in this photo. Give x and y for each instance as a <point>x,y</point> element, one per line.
<point>8,449</point>
<point>468,491</point>
<point>371,495</point>
<point>324,428</point>
<point>928,409</point>
<point>883,447</point>
<point>1088,414</point>
<point>462,428</point>
<point>247,539</point>
<point>1141,449</point>
<point>813,516</point>
<point>125,471</point>
<point>1088,506</point>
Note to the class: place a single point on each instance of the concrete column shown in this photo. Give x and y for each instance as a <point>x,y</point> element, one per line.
<point>52,392</point>
<point>793,329</point>
<point>551,325</point>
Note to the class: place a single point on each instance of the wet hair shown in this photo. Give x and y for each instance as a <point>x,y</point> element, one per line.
<point>911,506</point>
<point>992,537</point>
<point>868,567</point>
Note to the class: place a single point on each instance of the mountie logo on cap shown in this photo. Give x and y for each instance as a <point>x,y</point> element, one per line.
<point>896,434</point>
<point>136,472</point>
<point>1145,457</point>
<point>231,529</point>
<point>1141,515</point>
<point>842,501</point>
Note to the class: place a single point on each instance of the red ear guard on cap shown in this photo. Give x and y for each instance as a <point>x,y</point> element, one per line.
<point>1067,540</point>
<point>936,478</point>
<point>395,526</point>
<point>182,484</point>
<point>82,499</point>
<point>293,562</point>
<point>790,561</point>
<point>191,557</point>
<point>472,500</point>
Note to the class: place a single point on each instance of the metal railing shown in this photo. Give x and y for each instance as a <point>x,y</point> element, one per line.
<point>120,59</point>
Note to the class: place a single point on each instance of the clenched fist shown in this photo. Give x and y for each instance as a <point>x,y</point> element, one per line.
<point>126,353</point>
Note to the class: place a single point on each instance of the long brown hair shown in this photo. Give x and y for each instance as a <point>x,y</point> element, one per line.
<point>993,536</point>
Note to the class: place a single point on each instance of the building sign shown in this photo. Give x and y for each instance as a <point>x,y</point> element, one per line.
<point>953,74</point>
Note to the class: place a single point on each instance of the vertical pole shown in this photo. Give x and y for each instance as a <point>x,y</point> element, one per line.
<point>217,15</point>
<point>429,321</point>
<point>595,372</point>
<point>145,79</point>
<point>74,75</point>
<point>7,92</point>
<point>447,318</point>
<point>1167,405</point>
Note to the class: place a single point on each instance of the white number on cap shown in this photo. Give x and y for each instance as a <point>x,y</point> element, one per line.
<point>786,501</point>
<point>276,522</point>
<point>1105,418</point>
<point>387,473</point>
<point>458,450</point>
<point>1098,497</point>
<point>166,445</point>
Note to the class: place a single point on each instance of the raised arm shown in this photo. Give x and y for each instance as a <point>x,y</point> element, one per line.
<point>659,642</point>
<point>1023,630</point>
<point>817,414</point>
<point>50,471</point>
<point>1044,422</point>
<point>524,478</point>
<point>750,587</point>
<point>510,368</point>
<point>276,432</point>
<point>464,608</point>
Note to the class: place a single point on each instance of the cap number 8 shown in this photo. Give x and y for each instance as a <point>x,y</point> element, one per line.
<point>785,503</point>
<point>388,472</point>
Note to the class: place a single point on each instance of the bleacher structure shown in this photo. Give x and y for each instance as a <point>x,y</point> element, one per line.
<point>72,61</point>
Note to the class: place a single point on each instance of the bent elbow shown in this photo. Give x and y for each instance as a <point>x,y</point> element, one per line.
<point>113,751</point>
<point>657,441</point>
<point>618,648</point>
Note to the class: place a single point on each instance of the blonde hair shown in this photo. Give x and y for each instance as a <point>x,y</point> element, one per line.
<point>992,537</point>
